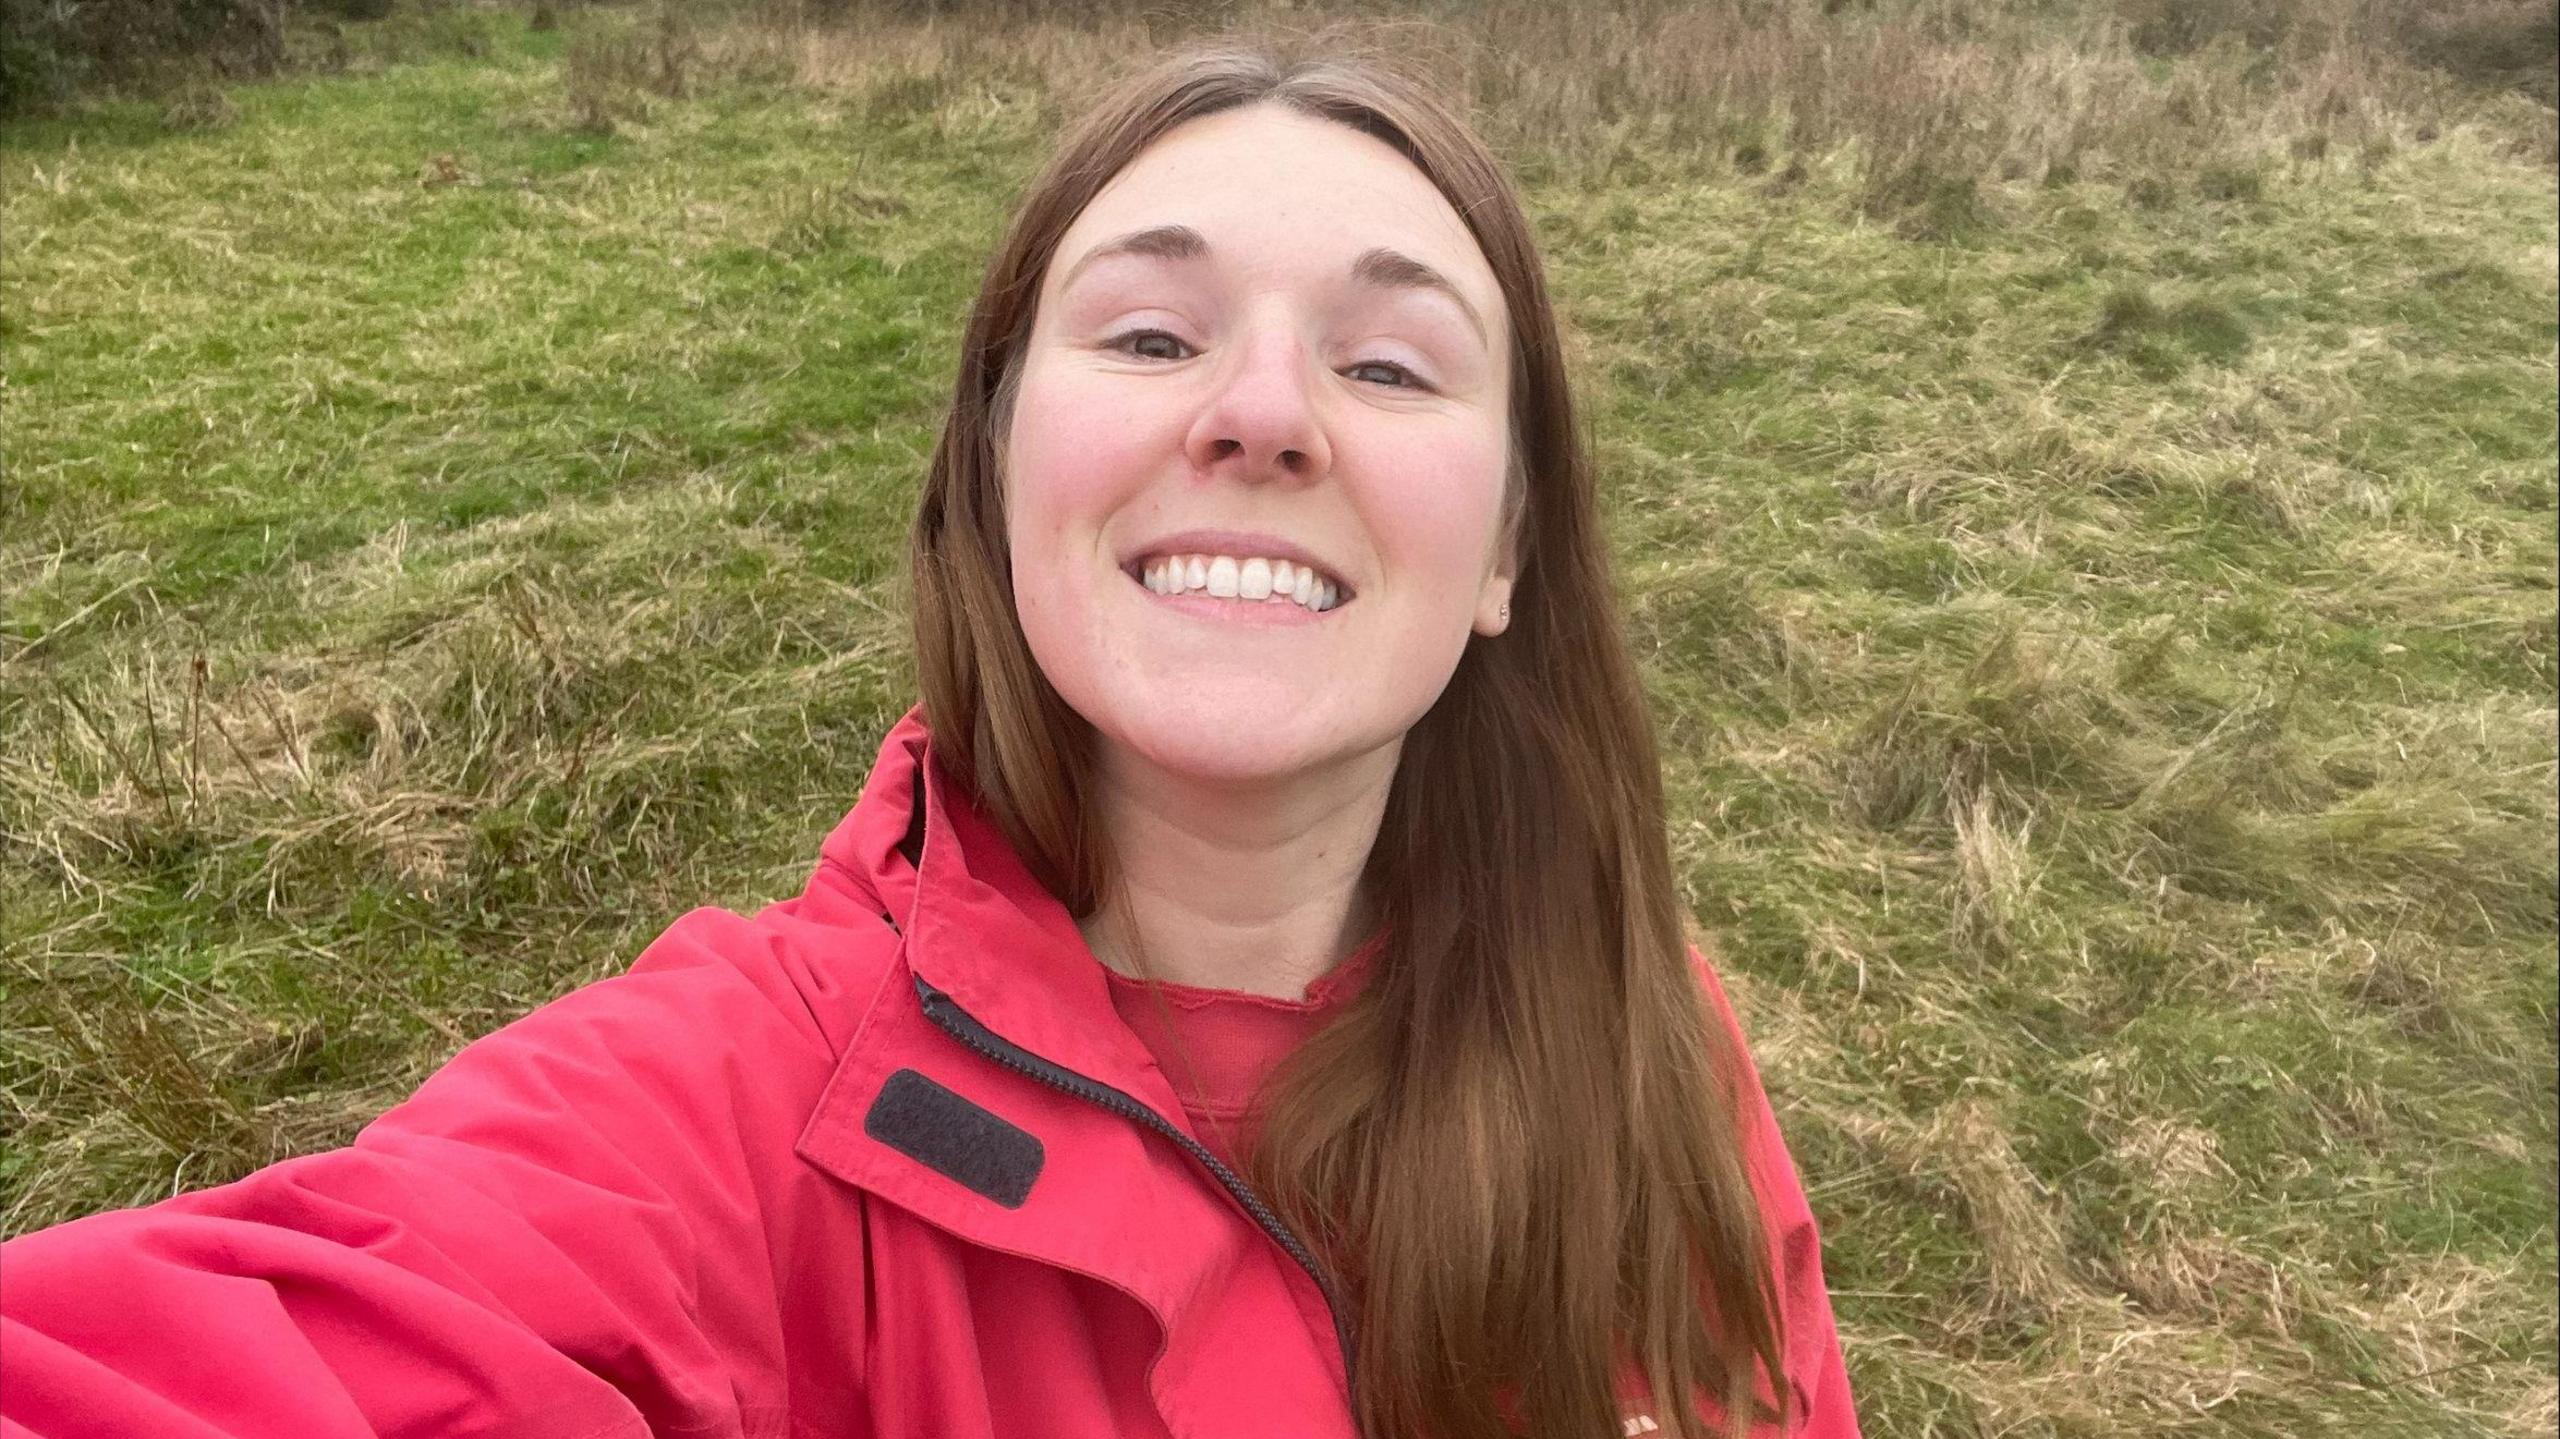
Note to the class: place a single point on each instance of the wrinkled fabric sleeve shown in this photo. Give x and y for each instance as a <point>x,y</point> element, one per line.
<point>1815,1368</point>
<point>566,1231</point>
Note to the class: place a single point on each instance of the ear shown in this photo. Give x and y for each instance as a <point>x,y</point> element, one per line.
<point>1493,606</point>
<point>1493,597</point>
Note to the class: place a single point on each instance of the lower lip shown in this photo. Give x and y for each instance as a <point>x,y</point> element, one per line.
<point>1274,613</point>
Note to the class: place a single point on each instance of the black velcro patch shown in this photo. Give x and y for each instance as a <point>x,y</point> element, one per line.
<point>955,1137</point>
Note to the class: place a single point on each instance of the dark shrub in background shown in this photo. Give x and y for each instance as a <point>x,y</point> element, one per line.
<point>2514,44</point>
<point>50,49</point>
<point>2507,44</point>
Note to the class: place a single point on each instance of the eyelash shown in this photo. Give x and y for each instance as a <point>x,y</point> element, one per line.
<point>1408,381</point>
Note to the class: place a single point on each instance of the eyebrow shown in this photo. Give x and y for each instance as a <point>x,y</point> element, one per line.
<point>1381,268</point>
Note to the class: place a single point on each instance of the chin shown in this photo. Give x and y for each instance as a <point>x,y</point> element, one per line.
<point>1225,752</point>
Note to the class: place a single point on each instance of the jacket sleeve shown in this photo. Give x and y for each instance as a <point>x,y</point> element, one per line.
<point>565,1232</point>
<point>1815,1368</point>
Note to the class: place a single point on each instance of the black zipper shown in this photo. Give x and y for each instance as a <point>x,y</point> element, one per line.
<point>961,1025</point>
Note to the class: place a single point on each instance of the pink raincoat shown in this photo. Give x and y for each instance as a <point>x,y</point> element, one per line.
<point>880,1162</point>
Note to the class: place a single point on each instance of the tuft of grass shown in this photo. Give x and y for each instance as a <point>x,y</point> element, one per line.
<point>2082,505</point>
<point>2160,339</point>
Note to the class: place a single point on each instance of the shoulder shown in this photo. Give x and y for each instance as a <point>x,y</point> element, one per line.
<point>1724,1022</point>
<point>814,971</point>
<point>721,1010</point>
<point>1772,1166</point>
<point>1794,1237</point>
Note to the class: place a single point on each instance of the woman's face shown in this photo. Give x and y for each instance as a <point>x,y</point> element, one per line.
<point>1268,345</point>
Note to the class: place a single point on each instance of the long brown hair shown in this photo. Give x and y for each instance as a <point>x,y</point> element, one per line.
<point>1519,1147</point>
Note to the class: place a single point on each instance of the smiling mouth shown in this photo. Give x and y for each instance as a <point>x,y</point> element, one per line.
<point>1249,580</point>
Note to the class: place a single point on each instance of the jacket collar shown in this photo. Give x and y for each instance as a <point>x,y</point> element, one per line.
<point>978,926</point>
<point>975,925</point>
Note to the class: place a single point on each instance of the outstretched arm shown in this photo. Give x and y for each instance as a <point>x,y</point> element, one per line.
<point>566,1232</point>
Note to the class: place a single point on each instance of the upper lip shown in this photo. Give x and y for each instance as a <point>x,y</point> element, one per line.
<point>1238,543</point>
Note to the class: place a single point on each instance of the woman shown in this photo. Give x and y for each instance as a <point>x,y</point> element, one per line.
<point>1249,997</point>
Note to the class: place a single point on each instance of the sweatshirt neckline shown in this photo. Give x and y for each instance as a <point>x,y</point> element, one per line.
<point>1334,987</point>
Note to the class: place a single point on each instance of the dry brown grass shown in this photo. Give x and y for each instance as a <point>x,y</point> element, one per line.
<point>1926,101</point>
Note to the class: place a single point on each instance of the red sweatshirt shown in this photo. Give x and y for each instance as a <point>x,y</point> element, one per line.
<point>883,1161</point>
<point>1216,1046</point>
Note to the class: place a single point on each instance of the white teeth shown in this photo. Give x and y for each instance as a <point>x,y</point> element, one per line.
<point>1226,577</point>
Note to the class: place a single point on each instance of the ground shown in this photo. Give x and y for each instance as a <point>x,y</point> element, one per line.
<point>2085,518</point>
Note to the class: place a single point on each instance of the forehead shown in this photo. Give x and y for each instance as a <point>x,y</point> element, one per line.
<point>1282,191</point>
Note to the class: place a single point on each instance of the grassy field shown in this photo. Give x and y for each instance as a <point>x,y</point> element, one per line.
<point>2086,518</point>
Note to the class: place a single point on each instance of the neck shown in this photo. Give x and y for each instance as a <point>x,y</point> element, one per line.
<point>1240,887</point>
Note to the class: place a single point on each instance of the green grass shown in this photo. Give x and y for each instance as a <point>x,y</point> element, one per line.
<point>2100,620</point>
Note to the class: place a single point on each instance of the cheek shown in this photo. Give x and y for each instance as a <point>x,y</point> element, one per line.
<point>1071,461</point>
<point>1433,506</point>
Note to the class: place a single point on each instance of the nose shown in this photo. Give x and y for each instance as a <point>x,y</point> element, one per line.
<point>1261,422</point>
